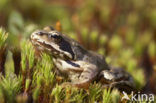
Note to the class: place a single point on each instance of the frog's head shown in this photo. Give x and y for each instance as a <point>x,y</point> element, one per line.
<point>54,42</point>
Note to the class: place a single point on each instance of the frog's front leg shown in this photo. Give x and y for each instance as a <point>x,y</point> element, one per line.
<point>84,78</point>
<point>87,76</point>
<point>80,73</point>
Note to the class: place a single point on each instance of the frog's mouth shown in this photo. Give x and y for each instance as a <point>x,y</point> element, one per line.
<point>58,51</point>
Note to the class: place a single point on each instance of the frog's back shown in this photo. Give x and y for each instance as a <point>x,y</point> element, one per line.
<point>97,59</point>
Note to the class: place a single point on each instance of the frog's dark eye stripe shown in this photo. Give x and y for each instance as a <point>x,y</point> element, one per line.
<point>73,64</point>
<point>65,46</point>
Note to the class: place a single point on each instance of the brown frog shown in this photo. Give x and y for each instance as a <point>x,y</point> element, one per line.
<point>80,65</point>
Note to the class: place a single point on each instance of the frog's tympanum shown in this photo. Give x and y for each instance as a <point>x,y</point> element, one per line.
<point>81,66</point>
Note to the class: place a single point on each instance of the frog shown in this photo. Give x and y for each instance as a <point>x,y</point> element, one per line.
<point>80,65</point>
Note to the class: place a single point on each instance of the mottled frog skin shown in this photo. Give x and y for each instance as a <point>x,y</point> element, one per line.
<point>80,65</point>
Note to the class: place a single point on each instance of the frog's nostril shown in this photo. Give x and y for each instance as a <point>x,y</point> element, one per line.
<point>39,33</point>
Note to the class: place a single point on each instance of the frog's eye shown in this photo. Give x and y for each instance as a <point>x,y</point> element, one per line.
<point>56,38</point>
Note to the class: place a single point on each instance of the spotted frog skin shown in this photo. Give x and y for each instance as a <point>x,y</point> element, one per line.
<point>80,65</point>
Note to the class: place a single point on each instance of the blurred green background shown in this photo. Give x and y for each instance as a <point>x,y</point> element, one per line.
<point>122,30</point>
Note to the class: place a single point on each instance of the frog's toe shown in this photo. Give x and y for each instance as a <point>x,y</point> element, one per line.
<point>66,84</point>
<point>78,84</point>
<point>82,84</point>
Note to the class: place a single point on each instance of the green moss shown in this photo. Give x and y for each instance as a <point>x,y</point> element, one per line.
<point>97,23</point>
<point>3,37</point>
<point>116,42</point>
